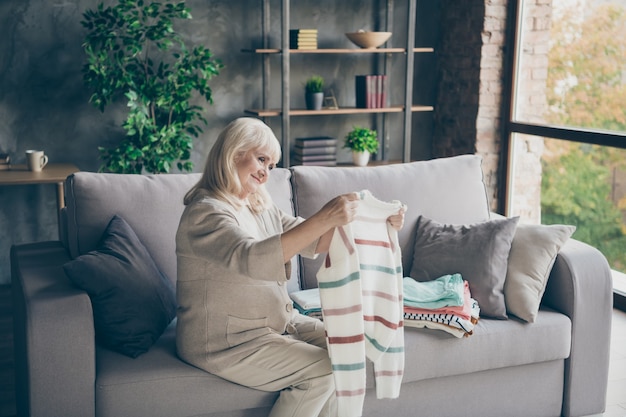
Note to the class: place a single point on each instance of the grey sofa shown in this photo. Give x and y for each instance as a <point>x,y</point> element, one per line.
<point>557,365</point>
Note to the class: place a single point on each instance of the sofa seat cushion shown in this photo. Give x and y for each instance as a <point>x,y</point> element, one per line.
<point>494,344</point>
<point>181,389</point>
<point>174,387</point>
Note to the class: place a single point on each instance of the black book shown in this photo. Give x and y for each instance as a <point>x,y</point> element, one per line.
<point>363,91</point>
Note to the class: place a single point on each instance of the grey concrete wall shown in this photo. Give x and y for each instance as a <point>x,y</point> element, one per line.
<point>43,102</point>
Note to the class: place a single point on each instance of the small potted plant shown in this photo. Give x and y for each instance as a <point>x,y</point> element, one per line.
<point>314,92</point>
<point>363,142</point>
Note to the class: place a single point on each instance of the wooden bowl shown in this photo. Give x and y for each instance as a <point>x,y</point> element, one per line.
<point>368,40</point>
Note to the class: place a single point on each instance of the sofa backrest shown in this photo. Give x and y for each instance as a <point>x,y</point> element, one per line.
<point>448,190</point>
<point>151,204</point>
<point>279,187</point>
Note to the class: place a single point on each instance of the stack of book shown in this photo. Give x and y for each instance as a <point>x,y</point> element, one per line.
<point>303,39</point>
<point>5,161</point>
<point>371,91</point>
<point>319,150</point>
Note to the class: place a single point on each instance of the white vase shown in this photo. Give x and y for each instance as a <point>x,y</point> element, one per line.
<point>360,158</point>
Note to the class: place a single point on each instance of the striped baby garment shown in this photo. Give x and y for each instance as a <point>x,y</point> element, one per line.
<point>360,287</point>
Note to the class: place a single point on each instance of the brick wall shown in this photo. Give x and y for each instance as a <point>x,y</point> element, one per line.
<point>468,112</point>
<point>468,108</point>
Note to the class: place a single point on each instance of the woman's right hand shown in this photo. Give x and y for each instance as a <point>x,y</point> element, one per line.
<point>340,210</point>
<point>337,212</point>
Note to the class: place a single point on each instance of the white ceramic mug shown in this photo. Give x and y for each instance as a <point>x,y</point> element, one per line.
<point>36,160</point>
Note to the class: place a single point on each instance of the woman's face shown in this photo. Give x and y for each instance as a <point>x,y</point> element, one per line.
<point>254,169</point>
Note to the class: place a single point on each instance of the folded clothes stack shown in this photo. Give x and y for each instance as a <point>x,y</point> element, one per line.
<point>442,304</point>
<point>308,302</point>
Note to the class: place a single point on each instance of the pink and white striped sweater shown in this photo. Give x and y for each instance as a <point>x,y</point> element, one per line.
<point>361,295</point>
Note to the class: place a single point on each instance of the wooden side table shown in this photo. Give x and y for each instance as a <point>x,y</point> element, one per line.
<point>51,174</point>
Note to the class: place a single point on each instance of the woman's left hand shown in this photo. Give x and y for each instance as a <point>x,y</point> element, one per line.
<point>397,220</point>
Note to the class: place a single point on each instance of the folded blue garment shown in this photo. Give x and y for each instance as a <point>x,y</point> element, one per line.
<point>445,291</point>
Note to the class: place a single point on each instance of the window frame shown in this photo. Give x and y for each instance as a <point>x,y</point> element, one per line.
<point>512,126</point>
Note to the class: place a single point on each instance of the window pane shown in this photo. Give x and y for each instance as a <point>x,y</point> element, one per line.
<point>561,182</point>
<point>570,73</point>
<point>571,65</point>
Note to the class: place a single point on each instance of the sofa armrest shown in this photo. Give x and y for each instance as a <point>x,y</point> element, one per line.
<point>581,287</point>
<point>54,335</point>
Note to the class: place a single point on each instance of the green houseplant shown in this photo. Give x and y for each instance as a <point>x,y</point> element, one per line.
<point>134,52</point>
<point>314,92</point>
<point>363,142</point>
<point>315,84</point>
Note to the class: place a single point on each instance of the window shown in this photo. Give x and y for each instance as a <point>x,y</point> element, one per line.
<point>567,129</point>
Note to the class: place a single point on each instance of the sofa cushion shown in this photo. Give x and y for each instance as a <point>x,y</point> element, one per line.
<point>533,252</point>
<point>174,387</point>
<point>479,252</point>
<point>494,344</point>
<point>449,190</point>
<point>121,380</point>
<point>133,302</point>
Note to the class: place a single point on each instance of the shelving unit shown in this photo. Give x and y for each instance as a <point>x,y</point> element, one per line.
<point>286,112</point>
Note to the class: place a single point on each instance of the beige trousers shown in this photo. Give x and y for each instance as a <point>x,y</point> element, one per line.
<point>295,364</point>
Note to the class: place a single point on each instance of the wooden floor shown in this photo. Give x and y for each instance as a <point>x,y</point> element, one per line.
<point>616,396</point>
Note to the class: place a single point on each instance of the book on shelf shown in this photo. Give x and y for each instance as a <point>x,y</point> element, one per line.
<point>302,44</point>
<point>302,31</point>
<point>315,141</point>
<point>322,157</point>
<point>315,150</point>
<point>327,163</point>
<point>371,91</point>
<point>303,39</point>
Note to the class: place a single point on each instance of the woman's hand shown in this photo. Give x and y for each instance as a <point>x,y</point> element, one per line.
<point>340,210</point>
<point>397,220</point>
<point>337,212</point>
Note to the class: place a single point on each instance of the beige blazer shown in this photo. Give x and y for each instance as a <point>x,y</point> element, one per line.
<point>231,282</point>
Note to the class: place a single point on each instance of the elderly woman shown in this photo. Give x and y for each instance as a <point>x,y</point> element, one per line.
<point>235,317</point>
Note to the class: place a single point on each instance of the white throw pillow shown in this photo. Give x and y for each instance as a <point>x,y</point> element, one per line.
<point>533,252</point>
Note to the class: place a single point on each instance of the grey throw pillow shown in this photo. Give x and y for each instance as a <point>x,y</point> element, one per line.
<point>133,302</point>
<point>479,252</point>
<point>533,252</point>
